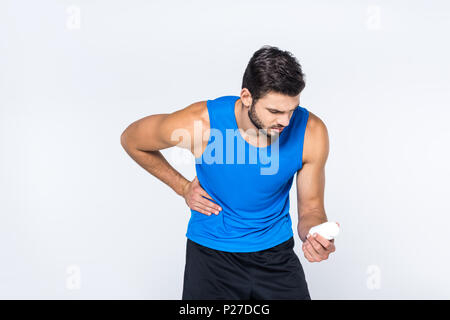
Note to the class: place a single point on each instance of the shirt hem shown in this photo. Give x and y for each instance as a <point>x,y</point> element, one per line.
<point>241,249</point>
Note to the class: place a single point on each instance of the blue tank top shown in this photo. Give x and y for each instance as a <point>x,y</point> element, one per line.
<point>250,183</point>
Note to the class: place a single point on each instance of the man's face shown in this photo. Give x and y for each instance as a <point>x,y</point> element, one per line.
<point>273,111</point>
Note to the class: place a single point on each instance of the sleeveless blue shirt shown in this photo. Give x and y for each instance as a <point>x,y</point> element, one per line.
<point>250,183</point>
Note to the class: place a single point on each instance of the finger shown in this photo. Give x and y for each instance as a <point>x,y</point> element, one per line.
<point>312,252</point>
<point>316,246</point>
<point>206,208</point>
<point>332,247</point>
<point>326,244</point>
<point>202,192</point>
<point>201,210</point>
<point>308,255</point>
<point>310,258</point>
<point>208,205</point>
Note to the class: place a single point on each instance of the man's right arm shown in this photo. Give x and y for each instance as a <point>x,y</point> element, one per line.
<point>143,139</point>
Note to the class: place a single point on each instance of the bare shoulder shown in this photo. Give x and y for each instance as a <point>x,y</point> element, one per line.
<point>191,118</point>
<point>198,111</point>
<point>164,130</point>
<point>316,141</point>
<point>315,124</point>
<point>187,116</point>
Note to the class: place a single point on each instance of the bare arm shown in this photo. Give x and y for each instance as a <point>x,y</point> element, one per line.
<point>311,178</point>
<point>143,139</point>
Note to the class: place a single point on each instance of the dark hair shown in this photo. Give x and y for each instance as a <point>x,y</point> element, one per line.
<point>271,69</point>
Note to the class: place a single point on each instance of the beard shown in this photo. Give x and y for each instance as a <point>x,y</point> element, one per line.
<point>258,123</point>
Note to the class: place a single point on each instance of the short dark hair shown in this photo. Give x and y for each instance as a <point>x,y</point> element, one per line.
<point>271,69</point>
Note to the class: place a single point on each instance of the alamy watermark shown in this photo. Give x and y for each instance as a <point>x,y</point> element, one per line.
<point>373,281</point>
<point>73,21</point>
<point>373,21</point>
<point>73,280</point>
<point>221,150</point>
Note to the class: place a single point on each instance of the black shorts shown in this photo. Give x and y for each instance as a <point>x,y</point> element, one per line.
<point>272,274</point>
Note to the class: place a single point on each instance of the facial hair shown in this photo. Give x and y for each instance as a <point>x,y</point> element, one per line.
<point>257,122</point>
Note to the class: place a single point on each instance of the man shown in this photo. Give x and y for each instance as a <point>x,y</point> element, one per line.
<point>239,238</point>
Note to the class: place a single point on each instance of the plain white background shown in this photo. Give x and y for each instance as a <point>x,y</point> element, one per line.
<point>79,219</point>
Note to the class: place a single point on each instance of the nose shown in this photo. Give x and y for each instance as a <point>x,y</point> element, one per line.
<point>284,122</point>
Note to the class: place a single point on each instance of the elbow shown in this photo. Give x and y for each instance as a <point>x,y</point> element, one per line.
<point>123,140</point>
<point>127,142</point>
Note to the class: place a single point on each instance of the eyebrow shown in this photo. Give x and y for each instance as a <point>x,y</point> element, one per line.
<point>280,110</point>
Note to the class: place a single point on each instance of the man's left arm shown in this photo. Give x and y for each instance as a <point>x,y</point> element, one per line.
<point>310,190</point>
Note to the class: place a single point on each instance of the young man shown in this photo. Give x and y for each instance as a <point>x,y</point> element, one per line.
<point>247,150</point>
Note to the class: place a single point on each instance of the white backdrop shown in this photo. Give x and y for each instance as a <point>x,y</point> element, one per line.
<point>79,219</point>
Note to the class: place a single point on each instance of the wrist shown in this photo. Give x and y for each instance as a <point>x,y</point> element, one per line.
<point>306,224</point>
<point>184,188</point>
